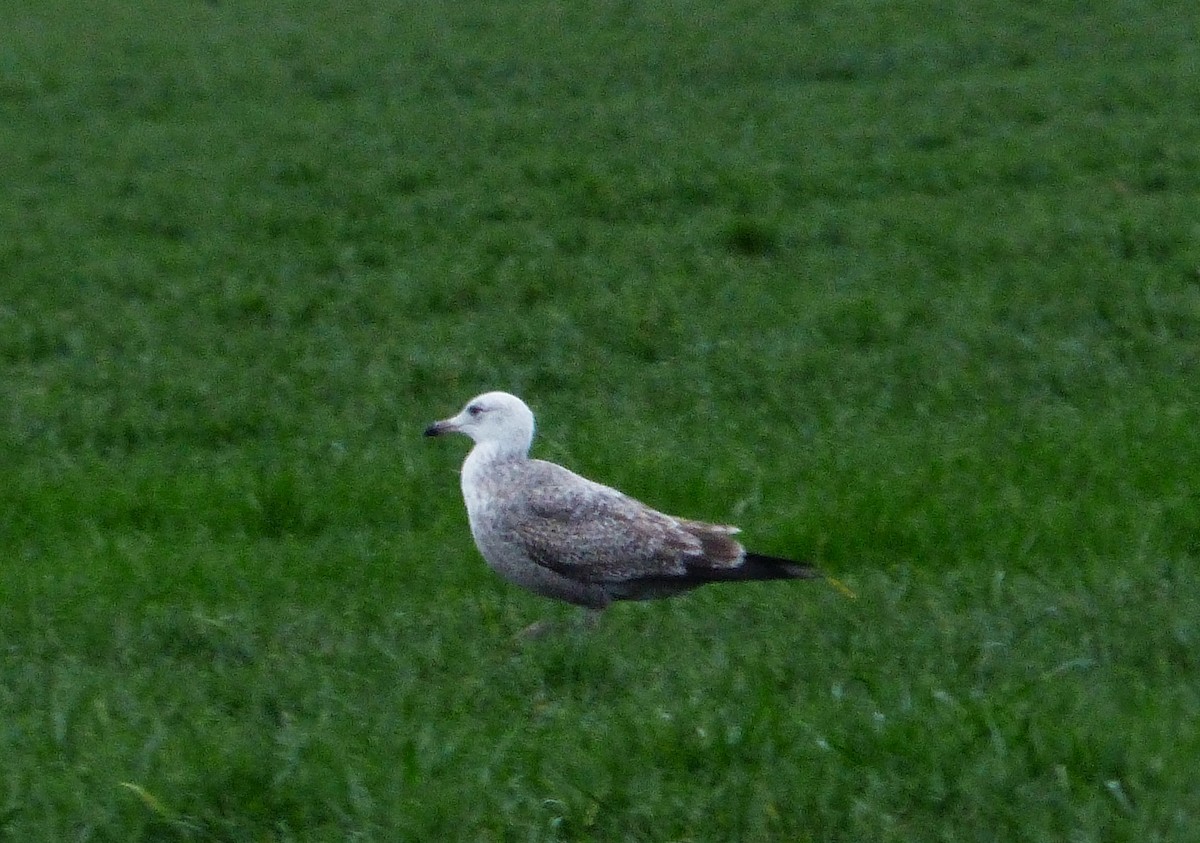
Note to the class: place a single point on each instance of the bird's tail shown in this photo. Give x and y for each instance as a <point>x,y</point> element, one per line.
<point>756,566</point>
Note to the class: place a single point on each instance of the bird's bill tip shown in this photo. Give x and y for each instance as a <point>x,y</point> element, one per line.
<point>438,428</point>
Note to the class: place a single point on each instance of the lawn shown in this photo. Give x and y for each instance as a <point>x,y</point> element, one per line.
<point>909,290</point>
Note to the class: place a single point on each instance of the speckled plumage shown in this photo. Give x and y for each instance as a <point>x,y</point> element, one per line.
<point>560,535</point>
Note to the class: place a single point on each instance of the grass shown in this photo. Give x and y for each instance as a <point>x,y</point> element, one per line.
<point>911,292</point>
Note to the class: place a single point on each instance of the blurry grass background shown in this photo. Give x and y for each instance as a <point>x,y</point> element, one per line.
<point>906,288</point>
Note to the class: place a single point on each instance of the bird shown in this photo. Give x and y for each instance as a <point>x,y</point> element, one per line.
<point>560,535</point>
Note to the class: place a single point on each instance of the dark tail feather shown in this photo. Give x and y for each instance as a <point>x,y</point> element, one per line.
<point>756,566</point>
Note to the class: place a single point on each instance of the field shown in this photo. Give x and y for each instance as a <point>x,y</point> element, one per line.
<point>906,289</point>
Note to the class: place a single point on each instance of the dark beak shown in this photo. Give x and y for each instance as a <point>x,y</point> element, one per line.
<point>437,429</point>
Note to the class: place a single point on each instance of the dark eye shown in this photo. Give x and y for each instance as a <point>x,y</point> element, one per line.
<point>474,410</point>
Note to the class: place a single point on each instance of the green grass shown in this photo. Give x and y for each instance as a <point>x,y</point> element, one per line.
<point>909,290</point>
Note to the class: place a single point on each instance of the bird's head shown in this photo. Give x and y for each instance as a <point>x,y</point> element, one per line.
<point>494,418</point>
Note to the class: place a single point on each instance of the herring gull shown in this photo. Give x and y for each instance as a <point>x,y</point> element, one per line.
<point>560,535</point>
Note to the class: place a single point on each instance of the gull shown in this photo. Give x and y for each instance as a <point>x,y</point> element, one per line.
<point>547,529</point>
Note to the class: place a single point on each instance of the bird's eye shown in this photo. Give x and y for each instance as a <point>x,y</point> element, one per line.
<point>474,410</point>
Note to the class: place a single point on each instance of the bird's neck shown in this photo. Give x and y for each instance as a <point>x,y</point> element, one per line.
<point>482,459</point>
<point>485,454</point>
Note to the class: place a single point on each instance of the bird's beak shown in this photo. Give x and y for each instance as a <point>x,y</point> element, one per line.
<point>440,427</point>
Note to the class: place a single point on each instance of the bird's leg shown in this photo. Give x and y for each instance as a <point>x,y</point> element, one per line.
<point>588,619</point>
<point>585,620</point>
<point>536,630</point>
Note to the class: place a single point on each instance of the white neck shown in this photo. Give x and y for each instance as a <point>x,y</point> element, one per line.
<point>482,456</point>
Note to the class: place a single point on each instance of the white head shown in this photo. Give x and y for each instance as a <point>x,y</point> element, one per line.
<point>494,418</point>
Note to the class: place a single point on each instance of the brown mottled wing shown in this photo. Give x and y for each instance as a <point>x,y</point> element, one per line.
<point>587,531</point>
